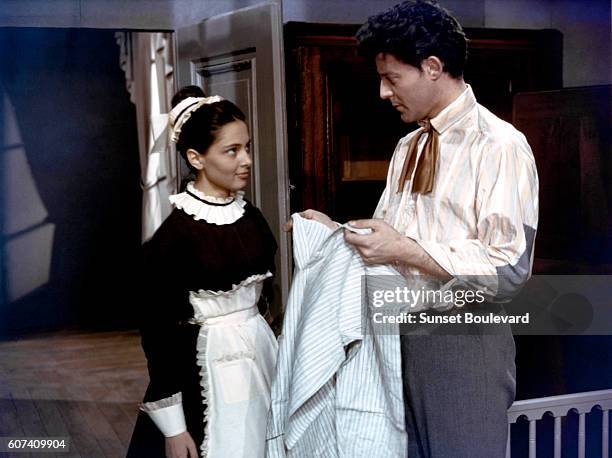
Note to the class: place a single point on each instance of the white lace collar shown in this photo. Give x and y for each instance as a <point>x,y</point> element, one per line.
<point>213,210</point>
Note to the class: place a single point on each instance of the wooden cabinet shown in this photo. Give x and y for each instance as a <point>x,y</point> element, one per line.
<point>341,135</point>
<point>570,133</point>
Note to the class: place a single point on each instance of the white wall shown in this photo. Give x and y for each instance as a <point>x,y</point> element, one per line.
<point>469,12</point>
<point>585,24</point>
<point>153,14</point>
<point>586,28</point>
<point>588,41</point>
<point>114,14</point>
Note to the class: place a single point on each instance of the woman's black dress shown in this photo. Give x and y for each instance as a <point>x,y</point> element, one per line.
<point>189,254</point>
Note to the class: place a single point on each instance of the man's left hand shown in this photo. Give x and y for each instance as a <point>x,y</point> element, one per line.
<point>383,246</point>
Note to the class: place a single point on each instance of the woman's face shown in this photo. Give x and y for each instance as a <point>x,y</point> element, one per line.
<point>225,167</point>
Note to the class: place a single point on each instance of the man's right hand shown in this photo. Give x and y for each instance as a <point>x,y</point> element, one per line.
<point>313,215</point>
<point>181,446</point>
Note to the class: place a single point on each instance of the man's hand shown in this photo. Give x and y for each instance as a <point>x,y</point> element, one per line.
<point>181,446</point>
<point>383,246</point>
<point>387,246</point>
<point>313,215</point>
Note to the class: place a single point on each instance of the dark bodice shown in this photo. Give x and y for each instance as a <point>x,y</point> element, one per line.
<point>186,254</point>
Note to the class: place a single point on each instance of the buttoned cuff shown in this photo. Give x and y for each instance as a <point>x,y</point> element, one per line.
<point>167,414</point>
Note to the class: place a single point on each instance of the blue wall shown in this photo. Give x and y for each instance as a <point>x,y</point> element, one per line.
<point>78,130</point>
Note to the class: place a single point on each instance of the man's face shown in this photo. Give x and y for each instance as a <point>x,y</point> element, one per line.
<point>407,87</point>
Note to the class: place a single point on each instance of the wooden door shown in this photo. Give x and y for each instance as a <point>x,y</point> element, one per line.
<point>239,55</point>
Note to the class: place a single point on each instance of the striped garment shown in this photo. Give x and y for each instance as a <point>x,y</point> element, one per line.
<point>337,391</point>
<point>479,222</point>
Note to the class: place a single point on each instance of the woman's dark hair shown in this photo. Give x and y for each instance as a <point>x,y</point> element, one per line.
<point>184,92</point>
<point>199,131</point>
<point>414,30</point>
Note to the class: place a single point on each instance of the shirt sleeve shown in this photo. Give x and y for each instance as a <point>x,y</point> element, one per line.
<point>499,260</point>
<point>159,317</point>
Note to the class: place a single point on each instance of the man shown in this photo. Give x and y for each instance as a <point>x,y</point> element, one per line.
<point>461,199</point>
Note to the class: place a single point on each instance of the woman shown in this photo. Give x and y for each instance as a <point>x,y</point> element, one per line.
<point>210,353</point>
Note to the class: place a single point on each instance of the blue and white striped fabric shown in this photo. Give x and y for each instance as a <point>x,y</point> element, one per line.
<point>337,390</point>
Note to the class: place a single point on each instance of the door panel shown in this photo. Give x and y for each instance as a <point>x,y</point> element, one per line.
<point>239,56</point>
<point>233,79</point>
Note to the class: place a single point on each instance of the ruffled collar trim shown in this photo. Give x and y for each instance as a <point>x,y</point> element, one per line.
<point>213,210</point>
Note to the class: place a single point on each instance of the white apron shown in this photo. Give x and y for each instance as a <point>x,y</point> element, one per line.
<point>236,353</point>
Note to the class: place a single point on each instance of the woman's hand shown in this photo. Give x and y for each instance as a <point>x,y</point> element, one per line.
<point>315,216</point>
<point>181,446</point>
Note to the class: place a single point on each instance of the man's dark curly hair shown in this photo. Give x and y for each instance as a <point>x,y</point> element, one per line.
<point>414,30</point>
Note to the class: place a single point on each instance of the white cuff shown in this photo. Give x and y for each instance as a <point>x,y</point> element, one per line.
<point>167,415</point>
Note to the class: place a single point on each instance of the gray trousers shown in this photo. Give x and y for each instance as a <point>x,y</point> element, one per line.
<point>457,389</point>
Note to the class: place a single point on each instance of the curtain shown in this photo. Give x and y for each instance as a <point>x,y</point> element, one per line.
<point>147,60</point>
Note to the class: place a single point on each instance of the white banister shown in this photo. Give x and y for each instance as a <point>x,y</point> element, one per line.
<point>559,406</point>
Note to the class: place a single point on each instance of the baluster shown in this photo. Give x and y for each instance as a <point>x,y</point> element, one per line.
<point>605,434</point>
<point>532,438</point>
<point>581,436</point>
<point>557,437</point>
<point>508,451</point>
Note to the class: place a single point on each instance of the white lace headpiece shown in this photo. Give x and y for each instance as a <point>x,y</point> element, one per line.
<point>182,112</point>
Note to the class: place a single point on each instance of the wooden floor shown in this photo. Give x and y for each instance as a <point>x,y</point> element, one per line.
<point>86,386</point>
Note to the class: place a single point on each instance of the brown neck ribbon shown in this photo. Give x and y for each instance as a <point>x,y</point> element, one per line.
<point>426,166</point>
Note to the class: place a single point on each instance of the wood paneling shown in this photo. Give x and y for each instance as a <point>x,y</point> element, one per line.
<point>570,133</point>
